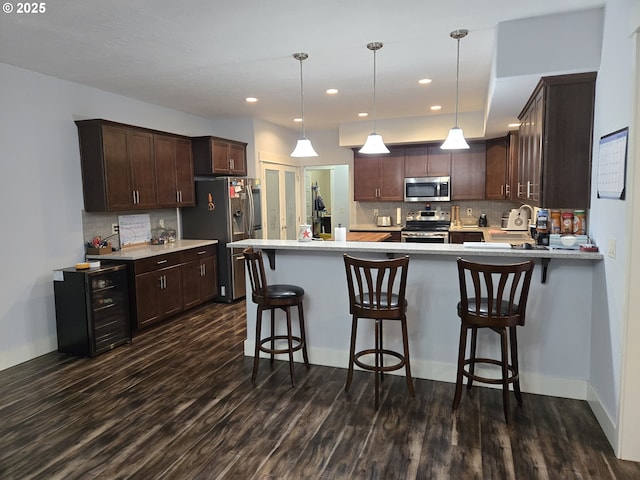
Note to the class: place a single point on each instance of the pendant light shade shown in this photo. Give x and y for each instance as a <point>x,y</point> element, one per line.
<point>374,143</point>
<point>455,140</point>
<point>303,147</point>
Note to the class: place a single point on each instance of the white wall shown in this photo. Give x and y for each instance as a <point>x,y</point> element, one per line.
<point>41,194</point>
<point>610,218</point>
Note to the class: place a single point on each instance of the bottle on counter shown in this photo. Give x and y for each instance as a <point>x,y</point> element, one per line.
<point>556,221</point>
<point>567,222</point>
<point>579,222</point>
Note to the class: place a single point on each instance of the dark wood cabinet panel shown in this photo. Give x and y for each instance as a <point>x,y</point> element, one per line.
<point>219,156</point>
<point>379,177</point>
<point>426,161</point>
<point>199,281</point>
<point>131,168</point>
<point>118,167</point>
<point>174,167</point>
<point>158,295</point>
<point>468,169</point>
<point>497,175</point>
<point>461,237</point>
<point>556,134</point>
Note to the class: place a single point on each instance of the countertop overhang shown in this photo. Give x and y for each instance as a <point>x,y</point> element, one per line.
<point>451,249</point>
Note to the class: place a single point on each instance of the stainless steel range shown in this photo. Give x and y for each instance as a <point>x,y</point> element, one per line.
<point>429,226</point>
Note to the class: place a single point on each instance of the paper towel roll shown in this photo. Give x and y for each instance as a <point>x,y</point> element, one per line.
<point>399,216</point>
<point>340,234</point>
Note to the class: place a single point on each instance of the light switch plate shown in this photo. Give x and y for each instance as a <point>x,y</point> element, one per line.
<point>611,248</point>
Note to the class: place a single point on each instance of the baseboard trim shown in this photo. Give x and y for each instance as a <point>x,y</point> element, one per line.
<point>606,422</point>
<point>445,372</point>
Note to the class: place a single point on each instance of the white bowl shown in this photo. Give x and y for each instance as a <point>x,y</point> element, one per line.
<point>568,240</point>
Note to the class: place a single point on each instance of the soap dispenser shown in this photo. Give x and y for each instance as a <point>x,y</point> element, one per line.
<point>482,221</point>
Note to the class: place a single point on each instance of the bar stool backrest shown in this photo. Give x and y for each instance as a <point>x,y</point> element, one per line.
<point>377,287</point>
<point>257,277</point>
<point>494,295</point>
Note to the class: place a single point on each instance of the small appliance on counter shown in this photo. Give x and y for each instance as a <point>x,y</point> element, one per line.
<point>482,220</point>
<point>518,218</point>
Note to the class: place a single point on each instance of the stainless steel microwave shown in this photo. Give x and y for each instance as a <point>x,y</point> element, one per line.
<point>427,189</point>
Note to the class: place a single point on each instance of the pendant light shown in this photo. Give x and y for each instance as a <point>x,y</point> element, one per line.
<point>303,147</point>
<point>455,140</point>
<point>374,143</point>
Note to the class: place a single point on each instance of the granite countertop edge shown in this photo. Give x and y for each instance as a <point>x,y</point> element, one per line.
<point>446,249</point>
<point>146,251</point>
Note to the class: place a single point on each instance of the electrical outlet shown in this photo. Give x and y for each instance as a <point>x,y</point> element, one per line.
<point>114,228</point>
<point>469,211</point>
<point>375,212</point>
<point>161,222</point>
<point>611,248</point>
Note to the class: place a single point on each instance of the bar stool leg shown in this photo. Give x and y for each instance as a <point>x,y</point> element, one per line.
<point>273,335</point>
<point>380,336</point>
<point>514,364</point>
<point>352,351</point>
<point>290,344</point>
<point>461,351</point>
<point>505,373</point>
<point>303,336</point>
<point>407,365</point>
<point>256,355</point>
<point>472,356</point>
<point>378,358</point>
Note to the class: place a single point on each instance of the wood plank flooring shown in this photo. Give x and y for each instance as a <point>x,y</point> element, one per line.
<point>178,404</point>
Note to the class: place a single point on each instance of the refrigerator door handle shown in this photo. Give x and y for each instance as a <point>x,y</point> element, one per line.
<point>252,222</point>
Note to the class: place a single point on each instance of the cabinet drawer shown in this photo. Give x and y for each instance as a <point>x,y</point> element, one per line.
<point>198,253</point>
<point>156,262</point>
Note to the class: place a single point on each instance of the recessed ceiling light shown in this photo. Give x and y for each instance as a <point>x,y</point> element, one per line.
<point>363,114</point>
<point>513,125</point>
<point>332,91</point>
<point>251,99</point>
<point>297,119</point>
<point>436,107</point>
<point>424,81</point>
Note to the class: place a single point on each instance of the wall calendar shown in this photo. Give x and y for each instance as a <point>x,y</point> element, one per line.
<point>612,164</point>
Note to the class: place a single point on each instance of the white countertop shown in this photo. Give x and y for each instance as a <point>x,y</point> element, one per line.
<point>450,249</point>
<point>144,251</point>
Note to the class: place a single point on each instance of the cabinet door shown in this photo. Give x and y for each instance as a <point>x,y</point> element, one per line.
<point>184,173</point>
<point>391,176</point>
<point>415,162</point>
<point>220,156</point>
<point>468,168</point>
<point>165,153</point>
<point>148,301</point>
<point>143,169</point>
<point>209,279</point>
<point>117,168</point>
<point>497,169</point>
<point>439,161</point>
<point>237,159</point>
<point>365,178</point>
<point>172,290</point>
<point>191,273</point>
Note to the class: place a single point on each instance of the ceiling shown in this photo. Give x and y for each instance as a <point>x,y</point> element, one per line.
<point>205,56</point>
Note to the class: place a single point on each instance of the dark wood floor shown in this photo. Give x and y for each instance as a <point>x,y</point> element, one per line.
<point>178,404</point>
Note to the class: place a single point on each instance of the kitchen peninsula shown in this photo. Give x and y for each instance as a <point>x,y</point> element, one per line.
<point>554,344</point>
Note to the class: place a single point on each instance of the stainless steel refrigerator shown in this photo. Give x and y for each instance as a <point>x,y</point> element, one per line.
<point>227,209</point>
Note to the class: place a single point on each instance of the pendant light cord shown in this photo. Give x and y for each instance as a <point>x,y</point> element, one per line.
<point>457,81</point>
<point>375,116</point>
<point>302,99</point>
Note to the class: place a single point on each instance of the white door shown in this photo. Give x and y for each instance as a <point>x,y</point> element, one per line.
<point>281,187</point>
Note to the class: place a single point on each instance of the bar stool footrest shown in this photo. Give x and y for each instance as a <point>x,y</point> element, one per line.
<point>514,377</point>
<point>385,368</point>
<point>297,344</point>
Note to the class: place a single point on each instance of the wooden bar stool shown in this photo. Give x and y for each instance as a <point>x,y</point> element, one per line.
<point>492,297</point>
<point>377,292</point>
<point>273,297</point>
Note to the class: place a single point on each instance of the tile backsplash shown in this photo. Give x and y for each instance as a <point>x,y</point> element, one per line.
<point>98,224</point>
<point>492,208</point>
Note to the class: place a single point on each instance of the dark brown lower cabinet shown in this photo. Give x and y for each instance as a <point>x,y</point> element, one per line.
<point>461,237</point>
<point>199,277</point>
<point>158,295</point>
